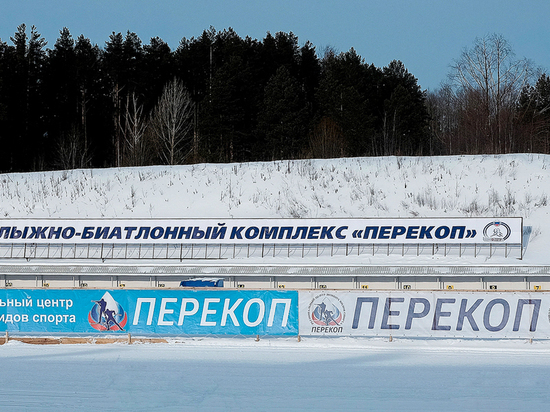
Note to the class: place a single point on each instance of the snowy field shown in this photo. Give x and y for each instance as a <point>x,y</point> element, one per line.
<point>454,186</point>
<point>283,374</point>
<point>278,375</point>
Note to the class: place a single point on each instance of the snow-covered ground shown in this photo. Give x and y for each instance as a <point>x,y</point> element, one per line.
<point>283,374</point>
<point>361,187</point>
<point>278,375</point>
<point>488,186</point>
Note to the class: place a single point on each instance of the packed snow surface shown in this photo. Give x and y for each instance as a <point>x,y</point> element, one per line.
<point>315,374</point>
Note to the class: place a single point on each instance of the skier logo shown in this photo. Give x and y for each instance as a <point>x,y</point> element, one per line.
<point>326,310</point>
<point>496,232</point>
<point>107,314</point>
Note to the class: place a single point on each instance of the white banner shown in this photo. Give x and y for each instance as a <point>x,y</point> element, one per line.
<point>425,314</point>
<point>265,231</point>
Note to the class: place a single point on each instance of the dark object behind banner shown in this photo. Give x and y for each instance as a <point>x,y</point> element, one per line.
<point>202,283</point>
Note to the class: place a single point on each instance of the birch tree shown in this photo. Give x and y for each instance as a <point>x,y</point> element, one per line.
<point>133,130</point>
<point>172,123</point>
<point>490,72</point>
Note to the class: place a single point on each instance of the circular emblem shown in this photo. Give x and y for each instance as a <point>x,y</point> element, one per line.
<point>496,232</point>
<point>326,310</point>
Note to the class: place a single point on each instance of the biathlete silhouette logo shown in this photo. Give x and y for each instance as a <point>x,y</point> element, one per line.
<point>326,310</point>
<point>107,314</point>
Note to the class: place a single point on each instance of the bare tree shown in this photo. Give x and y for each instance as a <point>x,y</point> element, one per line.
<point>490,73</point>
<point>133,130</point>
<point>172,123</point>
<point>72,151</point>
<point>442,118</point>
<point>326,140</point>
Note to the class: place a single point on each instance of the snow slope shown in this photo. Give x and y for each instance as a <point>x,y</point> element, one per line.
<point>491,186</point>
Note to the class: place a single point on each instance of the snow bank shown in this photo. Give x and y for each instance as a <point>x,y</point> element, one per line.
<point>491,186</point>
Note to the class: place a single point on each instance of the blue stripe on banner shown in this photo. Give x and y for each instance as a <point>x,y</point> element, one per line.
<point>166,312</point>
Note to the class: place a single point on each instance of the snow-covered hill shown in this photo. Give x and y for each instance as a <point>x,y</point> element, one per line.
<point>492,186</point>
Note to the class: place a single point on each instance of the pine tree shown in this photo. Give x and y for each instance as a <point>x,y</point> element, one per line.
<point>25,121</point>
<point>405,114</point>
<point>283,117</point>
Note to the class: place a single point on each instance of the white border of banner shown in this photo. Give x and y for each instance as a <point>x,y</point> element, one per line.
<point>490,230</point>
<point>425,314</point>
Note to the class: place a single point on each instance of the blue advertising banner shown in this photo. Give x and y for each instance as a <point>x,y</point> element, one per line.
<point>166,312</point>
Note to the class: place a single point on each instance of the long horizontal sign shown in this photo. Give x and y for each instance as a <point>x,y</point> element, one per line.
<point>265,231</point>
<point>168,312</point>
<point>425,314</point>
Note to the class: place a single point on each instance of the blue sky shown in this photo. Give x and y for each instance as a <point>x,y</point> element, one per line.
<point>426,35</point>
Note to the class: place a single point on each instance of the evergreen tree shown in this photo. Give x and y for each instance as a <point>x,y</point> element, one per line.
<point>405,113</point>
<point>24,143</point>
<point>93,102</point>
<point>224,122</point>
<point>157,70</point>
<point>283,117</point>
<point>61,92</point>
<point>122,60</point>
<point>343,99</point>
<point>309,73</point>
<point>5,58</point>
<point>194,61</point>
<point>251,100</point>
<point>533,114</point>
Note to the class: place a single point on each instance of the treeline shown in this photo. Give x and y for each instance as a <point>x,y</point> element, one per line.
<point>492,103</point>
<point>216,98</point>
<point>223,98</point>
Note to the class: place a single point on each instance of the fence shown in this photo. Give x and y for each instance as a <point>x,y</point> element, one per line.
<point>181,252</point>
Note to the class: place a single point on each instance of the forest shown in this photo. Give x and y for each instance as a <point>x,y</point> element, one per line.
<point>222,98</point>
